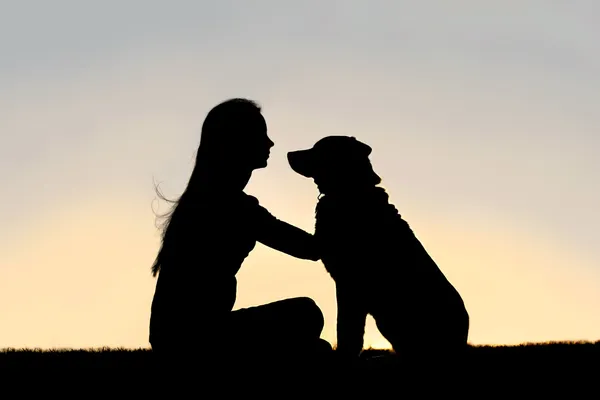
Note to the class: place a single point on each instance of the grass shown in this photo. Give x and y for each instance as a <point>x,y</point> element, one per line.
<point>571,355</point>
<point>533,365</point>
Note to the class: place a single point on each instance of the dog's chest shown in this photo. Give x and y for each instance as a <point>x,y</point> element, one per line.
<point>332,222</point>
<point>342,232</point>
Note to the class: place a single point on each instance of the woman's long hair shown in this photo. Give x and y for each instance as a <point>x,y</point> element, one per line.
<point>220,123</point>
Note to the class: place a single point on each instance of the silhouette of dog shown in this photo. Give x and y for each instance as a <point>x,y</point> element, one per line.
<point>378,264</point>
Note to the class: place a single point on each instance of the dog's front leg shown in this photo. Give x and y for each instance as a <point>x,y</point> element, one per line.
<point>351,319</point>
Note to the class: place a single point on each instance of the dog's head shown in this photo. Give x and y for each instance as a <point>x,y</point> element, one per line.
<point>336,163</point>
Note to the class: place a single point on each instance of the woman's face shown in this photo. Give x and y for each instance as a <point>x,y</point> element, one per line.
<point>258,146</point>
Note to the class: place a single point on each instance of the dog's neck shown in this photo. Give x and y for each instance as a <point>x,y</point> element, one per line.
<point>371,204</point>
<point>356,194</point>
<point>373,197</point>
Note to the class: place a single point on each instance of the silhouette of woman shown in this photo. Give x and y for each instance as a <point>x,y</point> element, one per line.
<point>209,232</point>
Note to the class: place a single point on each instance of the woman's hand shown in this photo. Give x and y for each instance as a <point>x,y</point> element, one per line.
<point>281,236</point>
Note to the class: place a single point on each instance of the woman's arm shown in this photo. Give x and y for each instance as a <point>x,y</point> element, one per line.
<point>285,237</point>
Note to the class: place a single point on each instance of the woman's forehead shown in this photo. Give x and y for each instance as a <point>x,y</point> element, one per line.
<point>261,121</point>
<point>249,121</point>
<point>258,123</point>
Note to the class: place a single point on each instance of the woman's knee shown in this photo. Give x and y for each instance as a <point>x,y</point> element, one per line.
<point>310,315</point>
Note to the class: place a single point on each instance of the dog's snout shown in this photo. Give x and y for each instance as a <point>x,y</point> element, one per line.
<point>301,162</point>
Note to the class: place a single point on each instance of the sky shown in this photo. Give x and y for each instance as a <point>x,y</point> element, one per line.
<point>483,119</point>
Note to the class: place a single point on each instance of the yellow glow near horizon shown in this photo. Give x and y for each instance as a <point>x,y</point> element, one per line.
<point>82,280</point>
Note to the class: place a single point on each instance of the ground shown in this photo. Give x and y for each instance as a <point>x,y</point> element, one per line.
<point>538,366</point>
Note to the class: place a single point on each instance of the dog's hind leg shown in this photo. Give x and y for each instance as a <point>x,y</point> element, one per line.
<point>392,328</point>
<point>424,342</point>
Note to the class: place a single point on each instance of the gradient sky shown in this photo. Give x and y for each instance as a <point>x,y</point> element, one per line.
<point>483,117</point>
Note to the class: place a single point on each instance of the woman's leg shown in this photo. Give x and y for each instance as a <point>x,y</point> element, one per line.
<point>288,325</point>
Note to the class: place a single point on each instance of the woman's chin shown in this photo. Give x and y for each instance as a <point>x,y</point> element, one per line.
<point>261,165</point>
